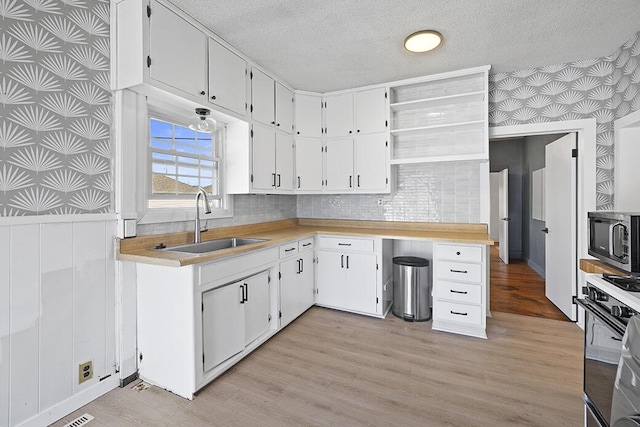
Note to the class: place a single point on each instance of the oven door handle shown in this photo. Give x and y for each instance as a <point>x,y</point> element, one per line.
<point>606,318</point>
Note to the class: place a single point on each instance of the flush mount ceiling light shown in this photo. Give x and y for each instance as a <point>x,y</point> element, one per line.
<point>202,123</point>
<point>423,41</point>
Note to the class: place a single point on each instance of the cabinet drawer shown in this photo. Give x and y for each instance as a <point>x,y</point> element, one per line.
<point>288,249</point>
<point>460,292</point>
<point>305,244</point>
<point>460,313</point>
<point>462,253</point>
<point>346,244</point>
<point>459,271</point>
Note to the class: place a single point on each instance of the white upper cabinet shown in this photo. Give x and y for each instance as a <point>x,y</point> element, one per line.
<point>370,109</point>
<point>308,164</point>
<point>262,98</point>
<point>338,115</point>
<point>284,161</point>
<point>339,165</point>
<point>264,158</point>
<point>284,108</point>
<point>371,165</point>
<point>308,115</point>
<point>227,78</point>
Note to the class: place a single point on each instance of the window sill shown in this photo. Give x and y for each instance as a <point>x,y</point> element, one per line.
<point>156,216</point>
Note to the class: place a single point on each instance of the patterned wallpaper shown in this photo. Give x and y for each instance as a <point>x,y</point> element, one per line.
<point>605,89</point>
<point>55,117</point>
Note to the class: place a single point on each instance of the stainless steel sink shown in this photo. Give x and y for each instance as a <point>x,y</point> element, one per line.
<point>213,245</point>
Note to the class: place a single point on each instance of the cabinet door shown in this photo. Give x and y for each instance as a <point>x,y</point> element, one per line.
<point>330,285</point>
<point>361,284</point>
<point>264,158</point>
<point>371,165</point>
<point>256,306</point>
<point>284,108</point>
<point>339,115</point>
<point>339,164</point>
<point>284,161</point>
<point>223,326</point>
<point>262,98</point>
<point>227,78</point>
<point>308,164</point>
<point>306,281</point>
<point>177,50</point>
<point>289,291</point>
<point>370,111</point>
<point>308,109</point>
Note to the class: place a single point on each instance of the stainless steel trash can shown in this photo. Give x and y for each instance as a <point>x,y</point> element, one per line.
<point>411,288</point>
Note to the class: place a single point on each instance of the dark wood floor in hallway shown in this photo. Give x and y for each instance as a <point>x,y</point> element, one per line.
<point>516,288</point>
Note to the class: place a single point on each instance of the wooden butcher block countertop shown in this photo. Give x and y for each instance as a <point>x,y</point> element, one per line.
<point>142,249</point>
<point>594,266</point>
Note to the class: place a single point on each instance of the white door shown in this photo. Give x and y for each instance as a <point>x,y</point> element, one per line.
<point>306,281</point>
<point>330,283</point>
<point>308,109</point>
<point>289,291</point>
<point>227,78</point>
<point>222,324</point>
<point>371,162</point>
<point>361,289</point>
<point>284,108</point>
<point>264,158</point>
<point>370,111</point>
<point>284,161</point>
<point>308,164</point>
<point>256,306</point>
<point>503,210</point>
<point>262,98</point>
<point>338,115</point>
<point>339,164</point>
<point>560,215</point>
<point>177,52</point>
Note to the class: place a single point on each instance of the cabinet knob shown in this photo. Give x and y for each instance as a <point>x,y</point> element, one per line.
<point>298,132</point>
<point>350,132</point>
<point>458,253</point>
<point>358,131</point>
<point>273,123</point>
<point>213,97</point>
<point>202,92</point>
<point>277,124</point>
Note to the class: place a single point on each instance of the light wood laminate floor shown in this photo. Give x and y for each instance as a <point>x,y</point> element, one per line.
<point>340,369</point>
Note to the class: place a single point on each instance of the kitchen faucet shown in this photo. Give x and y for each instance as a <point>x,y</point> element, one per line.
<point>196,231</point>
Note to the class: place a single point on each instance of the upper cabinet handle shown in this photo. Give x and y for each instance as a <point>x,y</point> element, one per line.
<point>213,97</point>
<point>202,92</point>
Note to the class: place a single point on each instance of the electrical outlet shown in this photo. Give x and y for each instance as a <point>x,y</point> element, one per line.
<point>85,371</point>
<point>380,202</point>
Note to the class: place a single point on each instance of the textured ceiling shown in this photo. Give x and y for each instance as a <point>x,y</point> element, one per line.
<point>327,45</point>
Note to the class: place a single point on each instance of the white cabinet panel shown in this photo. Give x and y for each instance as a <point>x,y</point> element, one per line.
<point>460,253</point>
<point>177,51</point>
<point>346,243</point>
<point>264,158</point>
<point>227,78</point>
<point>460,292</point>
<point>284,108</point>
<point>330,283</point>
<point>463,272</point>
<point>459,313</point>
<point>370,111</point>
<point>339,164</point>
<point>284,161</point>
<point>5,313</point>
<point>360,285</point>
<point>289,294</point>
<point>262,98</point>
<point>25,323</point>
<point>308,164</point>
<point>307,279</point>
<point>256,306</point>
<point>56,329</point>
<point>308,115</point>
<point>339,115</point>
<point>223,327</point>
<point>371,162</point>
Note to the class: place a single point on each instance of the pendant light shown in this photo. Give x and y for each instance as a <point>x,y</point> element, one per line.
<point>422,41</point>
<point>201,122</point>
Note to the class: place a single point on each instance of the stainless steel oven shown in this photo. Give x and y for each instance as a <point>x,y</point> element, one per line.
<point>605,323</point>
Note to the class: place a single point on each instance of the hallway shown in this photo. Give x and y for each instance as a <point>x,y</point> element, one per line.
<point>518,289</point>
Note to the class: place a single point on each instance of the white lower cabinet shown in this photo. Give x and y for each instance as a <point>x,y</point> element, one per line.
<point>349,276</point>
<point>460,289</point>
<point>296,280</point>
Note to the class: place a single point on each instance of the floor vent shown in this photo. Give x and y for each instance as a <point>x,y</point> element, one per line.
<point>80,421</point>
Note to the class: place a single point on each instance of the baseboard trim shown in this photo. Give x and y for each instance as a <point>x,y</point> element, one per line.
<point>535,267</point>
<point>128,380</point>
<point>66,407</point>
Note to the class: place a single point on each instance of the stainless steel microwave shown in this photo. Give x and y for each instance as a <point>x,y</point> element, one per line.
<point>614,238</point>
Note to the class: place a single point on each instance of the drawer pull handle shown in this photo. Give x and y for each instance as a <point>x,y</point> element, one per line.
<point>344,244</point>
<point>289,250</point>
<point>458,292</point>
<point>458,253</point>
<point>306,244</point>
<point>458,313</point>
<point>458,271</point>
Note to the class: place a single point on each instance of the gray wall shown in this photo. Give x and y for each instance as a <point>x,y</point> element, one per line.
<point>510,154</point>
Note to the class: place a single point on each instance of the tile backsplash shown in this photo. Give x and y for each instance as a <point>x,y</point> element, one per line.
<point>430,192</point>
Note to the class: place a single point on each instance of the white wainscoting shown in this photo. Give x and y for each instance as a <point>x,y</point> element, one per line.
<point>57,310</point>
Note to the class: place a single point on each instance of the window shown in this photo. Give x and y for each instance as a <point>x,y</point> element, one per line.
<point>181,161</point>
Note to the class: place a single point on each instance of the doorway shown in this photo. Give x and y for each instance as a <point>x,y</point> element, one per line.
<point>531,272</point>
